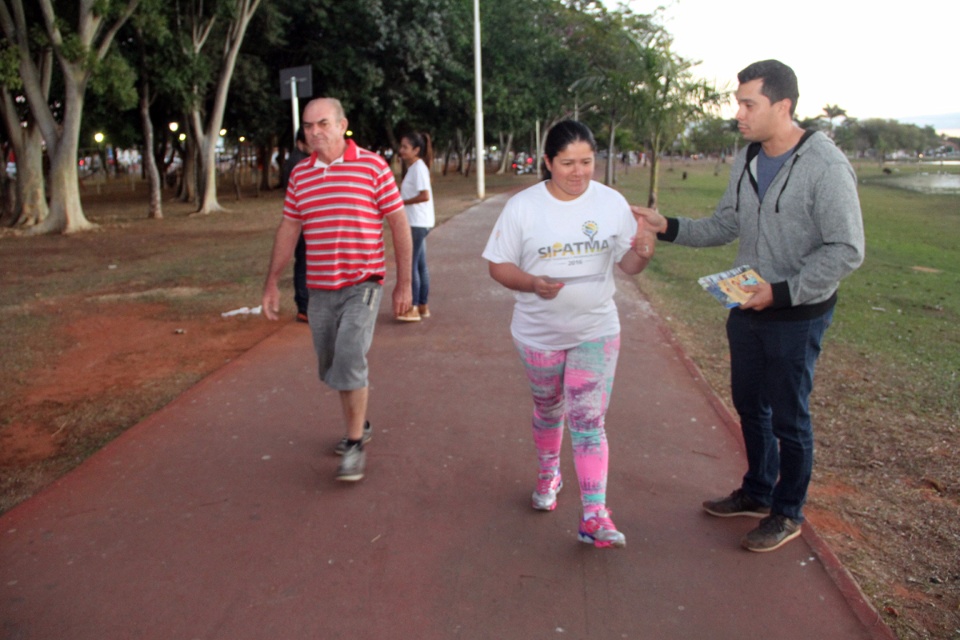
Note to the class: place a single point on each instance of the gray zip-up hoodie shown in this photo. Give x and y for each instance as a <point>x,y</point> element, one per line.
<point>804,237</point>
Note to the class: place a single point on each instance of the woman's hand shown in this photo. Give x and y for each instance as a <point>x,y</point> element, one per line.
<point>512,277</point>
<point>644,243</point>
<point>546,287</point>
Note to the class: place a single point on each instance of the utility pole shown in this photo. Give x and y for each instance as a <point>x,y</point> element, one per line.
<point>478,90</point>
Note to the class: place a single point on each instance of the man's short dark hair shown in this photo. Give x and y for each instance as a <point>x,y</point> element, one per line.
<point>779,81</point>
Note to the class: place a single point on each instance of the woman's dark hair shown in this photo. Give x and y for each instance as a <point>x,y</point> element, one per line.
<point>422,143</point>
<point>562,135</point>
<point>779,81</point>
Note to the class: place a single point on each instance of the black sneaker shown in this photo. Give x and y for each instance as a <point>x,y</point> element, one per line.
<point>341,447</point>
<point>772,533</point>
<point>737,503</point>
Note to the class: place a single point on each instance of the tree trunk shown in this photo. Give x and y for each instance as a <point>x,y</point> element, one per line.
<point>466,158</point>
<point>66,210</point>
<point>461,153</point>
<point>653,195</point>
<point>77,57</point>
<point>31,194</point>
<point>8,200</point>
<point>611,152</point>
<point>391,137</point>
<point>29,206</point>
<point>206,146</point>
<point>506,151</point>
<point>236,175</point>
<point>264,152</point>
<point>203,152</point>
<point>188,175</point>
<point>155,210</point>
<point>446,158</point>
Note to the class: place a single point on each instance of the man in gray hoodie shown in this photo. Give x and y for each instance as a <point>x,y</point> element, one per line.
<point>792,203</point>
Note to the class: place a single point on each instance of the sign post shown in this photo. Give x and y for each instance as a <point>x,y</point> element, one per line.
<point>296,82</point>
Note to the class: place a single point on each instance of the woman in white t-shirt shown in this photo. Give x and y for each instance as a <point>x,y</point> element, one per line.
<point>555,245</point>
<point>417,153</point>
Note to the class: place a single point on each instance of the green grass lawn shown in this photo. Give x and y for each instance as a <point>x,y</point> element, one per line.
<point>900,309</point>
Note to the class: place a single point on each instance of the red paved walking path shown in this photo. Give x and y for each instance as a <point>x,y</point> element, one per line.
<point>219,518</point>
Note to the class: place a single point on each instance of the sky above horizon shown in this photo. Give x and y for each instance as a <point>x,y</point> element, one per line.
<point>871,61</point>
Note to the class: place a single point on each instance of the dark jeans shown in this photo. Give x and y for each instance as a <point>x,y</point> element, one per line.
<point>421,277</point>
<point>771,375</point>
<point>300,293</point>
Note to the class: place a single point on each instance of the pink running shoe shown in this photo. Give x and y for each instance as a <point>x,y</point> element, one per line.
<point>600,531</point>
<point>548,486</point>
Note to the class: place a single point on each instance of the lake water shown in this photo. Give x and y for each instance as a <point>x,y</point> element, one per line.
<point>933,183</point>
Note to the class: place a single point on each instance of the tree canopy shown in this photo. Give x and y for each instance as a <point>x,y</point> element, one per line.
<point>127,68</point>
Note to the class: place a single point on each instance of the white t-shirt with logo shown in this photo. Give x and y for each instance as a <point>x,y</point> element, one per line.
<point>417,179</point>
<point>577,242</point>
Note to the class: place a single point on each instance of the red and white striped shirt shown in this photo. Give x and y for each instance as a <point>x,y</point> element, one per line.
<point>342,207</point>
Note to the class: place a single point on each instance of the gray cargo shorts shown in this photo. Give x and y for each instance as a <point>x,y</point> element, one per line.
<point>342,323</point>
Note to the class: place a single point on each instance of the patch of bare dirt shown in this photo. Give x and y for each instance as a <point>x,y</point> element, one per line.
<point>103,328</point>
<point>120,362</point>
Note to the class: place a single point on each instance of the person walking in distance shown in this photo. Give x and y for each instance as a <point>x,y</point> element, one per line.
<point>339,199</point>
<point>299,153</point>
<point>416,151</point>
<point>792,203</point>
<point>555,245</point>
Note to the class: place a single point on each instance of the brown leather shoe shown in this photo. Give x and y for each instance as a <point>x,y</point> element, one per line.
<point>413,315</point>
<point>424,310</point>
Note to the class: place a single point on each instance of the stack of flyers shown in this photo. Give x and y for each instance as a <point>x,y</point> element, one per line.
<point>725,286</point>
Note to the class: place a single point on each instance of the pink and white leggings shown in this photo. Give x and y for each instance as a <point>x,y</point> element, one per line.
<point>573,385</point>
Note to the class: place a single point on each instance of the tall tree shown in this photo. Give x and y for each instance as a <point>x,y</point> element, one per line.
<point>530,60</point>
<point>832,112</point>
<point>412,51</point>
<point>223,22</point>
<point>715,135</point>
<point>151,48</point>
<point>526,68</point>
<point>389,61</point>
<point>80,34</point>
<point>618,46</point>
<point>445,117</point>
<point>30,206</point>
<point>255,110</point>
<point>672,100</point>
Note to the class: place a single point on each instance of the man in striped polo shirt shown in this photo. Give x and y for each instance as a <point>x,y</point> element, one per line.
<point>339,200</point>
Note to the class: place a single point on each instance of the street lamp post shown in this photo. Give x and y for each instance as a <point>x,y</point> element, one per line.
<point>478,90</point>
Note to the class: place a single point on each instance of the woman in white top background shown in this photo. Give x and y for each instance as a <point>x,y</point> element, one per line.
<point>416,151</point>
<point>555,245</point>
